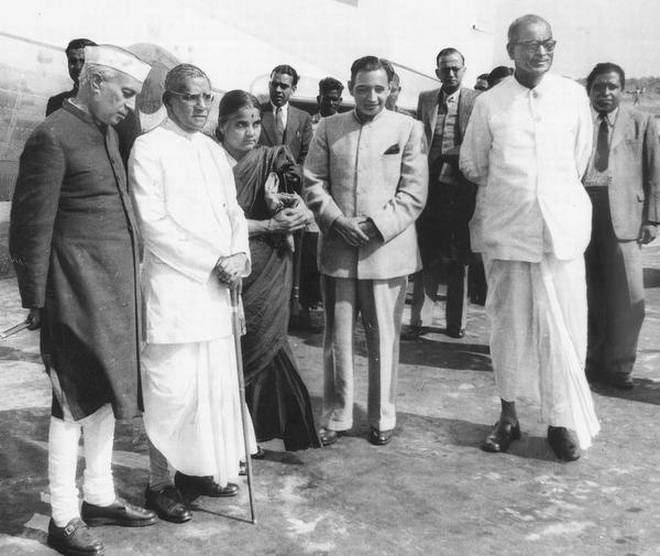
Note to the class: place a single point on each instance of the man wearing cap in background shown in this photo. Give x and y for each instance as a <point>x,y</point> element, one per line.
<point>73,243</point>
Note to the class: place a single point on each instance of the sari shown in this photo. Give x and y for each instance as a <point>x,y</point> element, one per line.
<point>276,395</point>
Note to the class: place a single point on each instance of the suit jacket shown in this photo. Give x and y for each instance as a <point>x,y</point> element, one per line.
<point>443,226</point>
<point>376,169</point>
<point>634,165</point>
<point>297,135</point>
<point>427,113</point>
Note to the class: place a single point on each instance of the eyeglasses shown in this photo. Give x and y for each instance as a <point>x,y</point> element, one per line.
<point>533,46</point>
<point>195,98</point>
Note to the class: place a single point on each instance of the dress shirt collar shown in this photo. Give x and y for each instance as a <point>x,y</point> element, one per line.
<point>610,117</point>
<point>284,107</point>
<point>449,99</point>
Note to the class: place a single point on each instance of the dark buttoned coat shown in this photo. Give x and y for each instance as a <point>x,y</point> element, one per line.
<point>73,243</point>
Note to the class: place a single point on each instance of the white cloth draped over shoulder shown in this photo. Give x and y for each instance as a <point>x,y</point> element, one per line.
<point>185,197</point>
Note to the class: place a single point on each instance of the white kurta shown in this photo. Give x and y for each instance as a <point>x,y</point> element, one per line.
<point>185,197</point>
<point>527,149</point>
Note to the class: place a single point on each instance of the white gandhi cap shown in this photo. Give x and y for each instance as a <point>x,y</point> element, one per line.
<point>117,58</point>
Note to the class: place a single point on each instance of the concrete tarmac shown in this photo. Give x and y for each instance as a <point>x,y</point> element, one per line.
<point>431,491</point>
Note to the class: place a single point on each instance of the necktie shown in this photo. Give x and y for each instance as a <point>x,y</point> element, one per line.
<point>279,125</point>
<point>602,145</point>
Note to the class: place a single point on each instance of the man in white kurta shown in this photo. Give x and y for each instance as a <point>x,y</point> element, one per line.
<point>195,248</point>
<point>527,146</point>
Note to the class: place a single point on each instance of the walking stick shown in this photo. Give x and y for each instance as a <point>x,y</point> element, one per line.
<point>14,329</point>
<point>245,416</point>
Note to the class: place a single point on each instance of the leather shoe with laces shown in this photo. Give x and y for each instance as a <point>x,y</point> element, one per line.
<point>455,332</point>
<point>120,512</point>
<point>328,437</point>
<point>500,438</point>
<point>563,443</point>
<point>192,487</point>
<point>413,333</point>
<point>380,438</point>
<point>74,539</point>
<point>168,503</point>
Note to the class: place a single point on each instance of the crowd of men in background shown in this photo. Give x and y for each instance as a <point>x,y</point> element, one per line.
<point>508,187</point>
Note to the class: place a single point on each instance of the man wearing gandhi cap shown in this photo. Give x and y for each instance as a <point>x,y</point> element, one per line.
<point>74,247</point>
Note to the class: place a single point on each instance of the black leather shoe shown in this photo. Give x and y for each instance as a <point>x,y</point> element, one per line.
<point>192,487</point>
<point>168,504</point>
<point>328,437</point>
<point>413,333</point>
<point>259,454</point>
<point>74,539</point>
<point>120,512</point>
<point>455,332</point>
<point>501,436</point>
<point>563,443</point>
<point>380,438</point>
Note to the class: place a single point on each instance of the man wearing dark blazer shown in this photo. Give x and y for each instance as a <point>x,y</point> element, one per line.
<point>444,238</point>
<point>281,123</point>
<point>623,182</point>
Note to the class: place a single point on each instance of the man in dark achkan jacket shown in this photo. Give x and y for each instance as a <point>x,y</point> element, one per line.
<point>73,243</point>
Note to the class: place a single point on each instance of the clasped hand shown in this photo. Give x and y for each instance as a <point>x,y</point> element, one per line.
<point>230,269</point>
<point>356,230</point>
<point>290,219</point>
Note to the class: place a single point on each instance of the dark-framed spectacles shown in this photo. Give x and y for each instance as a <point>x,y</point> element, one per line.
<point>194,98</point>
<point>533,46</point>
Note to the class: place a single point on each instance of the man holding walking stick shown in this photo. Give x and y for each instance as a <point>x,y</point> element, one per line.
<point>195,250</point>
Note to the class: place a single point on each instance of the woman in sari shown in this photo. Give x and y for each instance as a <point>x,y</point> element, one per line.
<point>276,395</point>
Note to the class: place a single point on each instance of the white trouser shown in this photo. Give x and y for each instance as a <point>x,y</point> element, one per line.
<point>63,437</point>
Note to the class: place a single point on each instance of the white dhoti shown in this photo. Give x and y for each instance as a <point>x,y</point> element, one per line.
<point>538,314</point>
<point>192,410</point>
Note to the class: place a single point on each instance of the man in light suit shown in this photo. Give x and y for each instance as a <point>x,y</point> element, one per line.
<point>444,237</point>
<point>281,123</point>
<point>365,181</point>
<point>622,179</point>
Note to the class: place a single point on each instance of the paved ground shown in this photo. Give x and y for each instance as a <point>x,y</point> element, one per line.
<point>431,491</point>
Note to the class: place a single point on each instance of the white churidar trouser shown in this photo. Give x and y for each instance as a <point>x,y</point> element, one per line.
<point>192,410</point>
<point>538,314</point>
<point>63,437</point>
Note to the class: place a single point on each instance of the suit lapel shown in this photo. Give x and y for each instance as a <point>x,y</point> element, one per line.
<point>268,127</point>
<point>291,126</point>
<point>463,111</point>
<point>621,126</point>
<point>432,112</point>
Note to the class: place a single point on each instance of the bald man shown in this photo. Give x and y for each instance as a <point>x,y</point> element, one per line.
<point>527,146</point>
